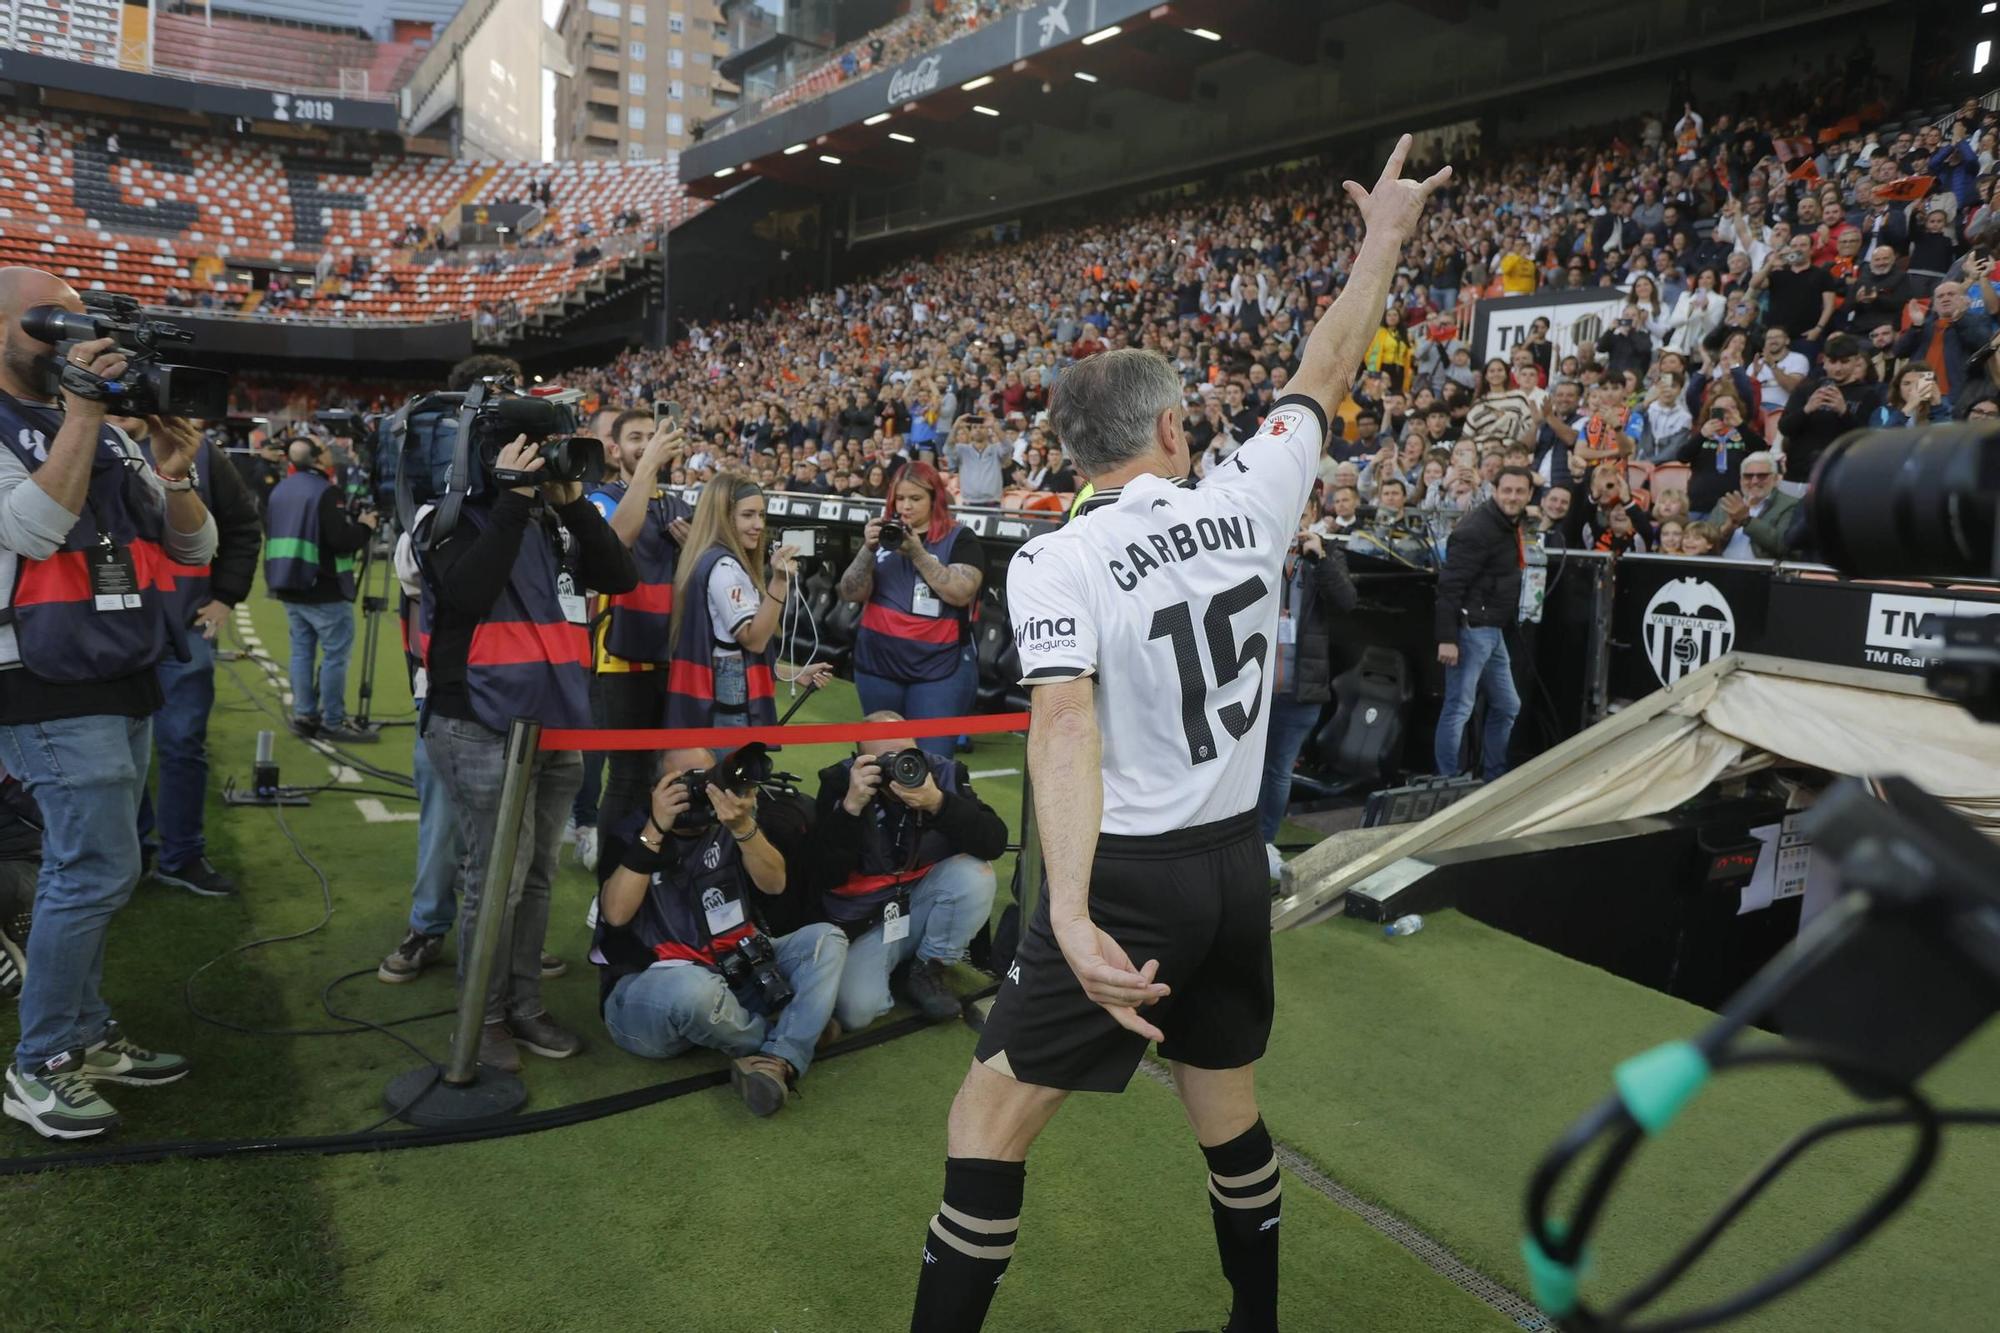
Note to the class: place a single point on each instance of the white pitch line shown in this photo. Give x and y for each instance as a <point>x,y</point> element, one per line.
<point>375,812</point>
<point>997,773</point>
<point>343,773</point>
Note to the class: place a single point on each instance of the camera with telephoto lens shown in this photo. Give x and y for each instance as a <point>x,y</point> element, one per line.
<point>906,768</point>
<point>149,387</point>
<point>892,534</point>
<point>751,971</point>
<point>738,773</point>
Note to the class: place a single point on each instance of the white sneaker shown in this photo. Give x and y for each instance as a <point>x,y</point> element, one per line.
<point>568,834</point>
<point>586,848</point>
<point>590,917</point>
<point>1276,862</point>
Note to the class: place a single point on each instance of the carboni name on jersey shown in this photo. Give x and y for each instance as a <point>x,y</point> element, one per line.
<point>1181,542</point>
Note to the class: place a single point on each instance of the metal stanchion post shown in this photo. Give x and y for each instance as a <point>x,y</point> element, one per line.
<point>464,1090</point>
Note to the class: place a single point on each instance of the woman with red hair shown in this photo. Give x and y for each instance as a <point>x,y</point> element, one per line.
<point>913,652</point>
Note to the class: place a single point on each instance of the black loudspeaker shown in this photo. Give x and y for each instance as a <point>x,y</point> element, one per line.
<point>1364,737</point>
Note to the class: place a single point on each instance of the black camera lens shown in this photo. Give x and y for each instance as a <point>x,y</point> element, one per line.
<point>1920,501</point>
<point>893,533</point>
<point>907,768</point>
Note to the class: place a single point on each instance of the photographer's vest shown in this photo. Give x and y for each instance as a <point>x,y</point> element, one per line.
<point>184,588</point>
<point>291,550</point>
<point>696,908</point>
<point>66,628</point>
<point>528,658</point>
<point>907,631</point>
<point>639,623</point>
<point>691,675</point>
<point>897,848</point>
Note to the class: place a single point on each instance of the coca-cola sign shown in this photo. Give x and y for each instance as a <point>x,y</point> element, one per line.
<point>915,81</point>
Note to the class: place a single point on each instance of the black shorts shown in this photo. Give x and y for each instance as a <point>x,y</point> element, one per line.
<point>1197,899</point>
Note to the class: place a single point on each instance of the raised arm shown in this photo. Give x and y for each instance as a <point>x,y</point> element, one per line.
<point>1389,212</point>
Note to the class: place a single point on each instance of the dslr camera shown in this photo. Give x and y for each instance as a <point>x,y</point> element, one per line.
<point>739,773</point>
<point>751,971</point>
<point>893,534</point>
<point>906,768</point>
<point>149,386</point>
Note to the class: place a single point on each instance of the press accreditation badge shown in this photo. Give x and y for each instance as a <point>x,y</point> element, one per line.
<point>724,913</point>
<point>114,581</point>
<point>574,608</point>
<point>895,922</point>
<point>1288,630</point>
<point>924,601</point>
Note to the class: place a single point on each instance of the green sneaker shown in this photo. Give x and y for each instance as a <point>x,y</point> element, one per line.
<point>56,1100</point>
<point>115,1059</point>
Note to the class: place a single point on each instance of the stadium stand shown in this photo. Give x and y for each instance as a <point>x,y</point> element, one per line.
<point>177,208</point>
<point>219,47</point>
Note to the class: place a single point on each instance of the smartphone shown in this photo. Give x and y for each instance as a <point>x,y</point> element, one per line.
<point>663,409</point>
<point>804,540</point>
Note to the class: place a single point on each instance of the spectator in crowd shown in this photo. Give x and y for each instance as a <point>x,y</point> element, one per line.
<point>689,893</point>
<point>199,601</point>
<point>913,651</point>
<point>1825,407</point>
<point>1316,591</point>
<point>727,613</point>
<point>908,873</point>
<point>77,687</point>
<point>1948,337</point>
<point>1701,538</point>
<point>1502,413</point>
<point>1755,522</point>
<point>976,455</point>
<point>1715,453</point>
<point>1802,296</point>
<point>1778,371</point>
<point>1478,599</point>
<point>1697,313</point>
<point>309,565</point>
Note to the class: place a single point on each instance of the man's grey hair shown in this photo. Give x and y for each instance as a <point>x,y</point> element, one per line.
<point>1761,456</point>
<point>1103,407</point>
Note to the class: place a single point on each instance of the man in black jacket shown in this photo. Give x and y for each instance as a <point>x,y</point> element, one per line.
<point>1479,596</point>
<point>1825,407</point>
<point>202,598</point>
<point>908,873</point>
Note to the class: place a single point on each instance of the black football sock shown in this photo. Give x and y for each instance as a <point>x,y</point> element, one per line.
<point>971,1238</point>
<point>1243,1189</point>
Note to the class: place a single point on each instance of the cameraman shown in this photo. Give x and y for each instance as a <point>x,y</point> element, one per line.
<point>671,916</point>
<point>908,874</point>
<point>913,650</point>
<point>81,518</point>
<point>503,597</point>
<point>309,566</point>
<point>199,598</point>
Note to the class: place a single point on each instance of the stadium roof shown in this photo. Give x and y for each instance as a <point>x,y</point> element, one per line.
<point>373,17</point>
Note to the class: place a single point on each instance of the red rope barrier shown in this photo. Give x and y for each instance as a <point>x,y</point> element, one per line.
<point>801,733</point>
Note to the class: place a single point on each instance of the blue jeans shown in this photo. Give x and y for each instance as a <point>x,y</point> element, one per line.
<point>667,1011</point>
<point>329,626</point>
<point>86,773</point>
<point>1291,724</point>
<point>440,848</point>
<point>1445,298</point>
<point>918,700</point>
<point>947,908</point>
<point>180,730</point>
<point>1483,668</point>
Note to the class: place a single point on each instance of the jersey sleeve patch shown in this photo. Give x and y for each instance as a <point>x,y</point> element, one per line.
<point>1054,635</point>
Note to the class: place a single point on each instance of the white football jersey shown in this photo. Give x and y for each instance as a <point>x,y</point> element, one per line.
<point>1169,597</point>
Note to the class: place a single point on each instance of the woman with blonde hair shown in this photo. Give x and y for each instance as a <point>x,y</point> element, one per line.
<point>727,613</point>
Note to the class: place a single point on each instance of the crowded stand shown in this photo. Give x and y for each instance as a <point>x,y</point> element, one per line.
<point>331,238</point>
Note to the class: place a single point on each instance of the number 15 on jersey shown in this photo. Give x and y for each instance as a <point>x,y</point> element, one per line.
<point>1176,624</point>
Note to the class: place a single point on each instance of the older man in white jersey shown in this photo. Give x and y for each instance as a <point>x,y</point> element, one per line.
<point>1146,789</point>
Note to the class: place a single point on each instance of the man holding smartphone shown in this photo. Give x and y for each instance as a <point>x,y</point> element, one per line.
<point>632,639</point>
<point>1825,407</point>
<point>976,453</point>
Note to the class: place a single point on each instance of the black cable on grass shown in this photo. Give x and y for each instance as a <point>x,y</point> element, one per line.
<point>376,1140</point>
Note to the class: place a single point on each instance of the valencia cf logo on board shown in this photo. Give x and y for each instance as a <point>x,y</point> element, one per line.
<point>1688,624</point>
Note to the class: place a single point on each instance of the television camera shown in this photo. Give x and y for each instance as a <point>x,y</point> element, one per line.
<point>149,387</point>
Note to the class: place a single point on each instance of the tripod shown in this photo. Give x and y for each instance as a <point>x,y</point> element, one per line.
<point>373,606</point>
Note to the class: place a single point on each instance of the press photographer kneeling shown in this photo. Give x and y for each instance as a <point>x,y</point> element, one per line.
<point>504,565</point>
<point>906,848</point>
<point>686,961</point>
